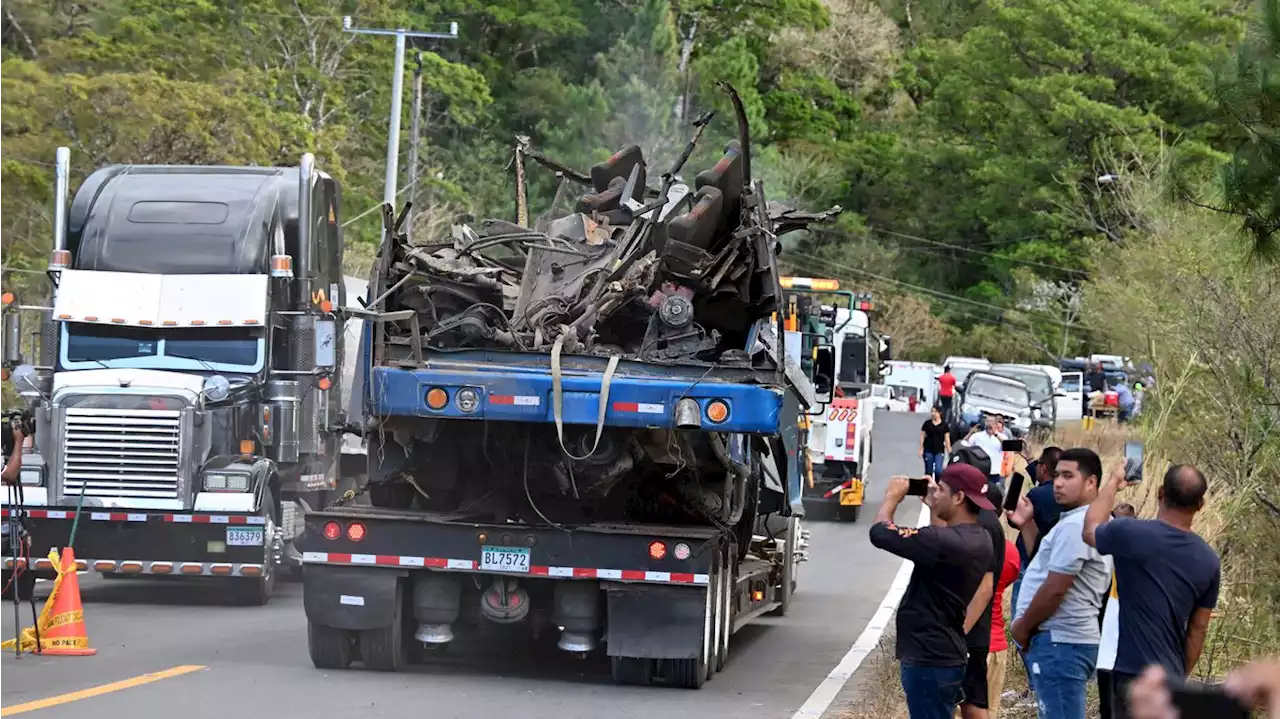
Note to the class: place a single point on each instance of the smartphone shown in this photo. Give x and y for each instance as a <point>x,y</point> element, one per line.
<point>918,487</point>
<point>1133,461</point>
<point>1012,445</point>
<point>1015,492</point>
<point>1211,702</point>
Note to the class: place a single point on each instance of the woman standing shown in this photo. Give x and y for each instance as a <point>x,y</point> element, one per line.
<point>935,442</point>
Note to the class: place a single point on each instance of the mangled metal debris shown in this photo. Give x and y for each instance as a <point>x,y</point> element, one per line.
<point>673,274</point>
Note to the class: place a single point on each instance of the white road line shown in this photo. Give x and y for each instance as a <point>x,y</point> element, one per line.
<point>822,697</point>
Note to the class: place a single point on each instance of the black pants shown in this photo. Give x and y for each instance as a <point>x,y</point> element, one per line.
<point>1118,693</point>
<point>945,404</point>
<point>1104,693</point>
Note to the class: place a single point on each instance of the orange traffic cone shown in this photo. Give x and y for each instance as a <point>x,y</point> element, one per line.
<point>61,620</point>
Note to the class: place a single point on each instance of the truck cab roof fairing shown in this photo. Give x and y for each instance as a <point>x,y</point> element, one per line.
<point>183,219</point>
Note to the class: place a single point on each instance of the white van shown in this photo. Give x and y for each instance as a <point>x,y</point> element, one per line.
<point>921,375</point>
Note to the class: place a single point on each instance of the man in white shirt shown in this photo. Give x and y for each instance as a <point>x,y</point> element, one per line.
<point>991,441</point>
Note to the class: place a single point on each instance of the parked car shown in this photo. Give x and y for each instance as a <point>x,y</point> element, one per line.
<point>986,392</point>
<point>1039,383</point>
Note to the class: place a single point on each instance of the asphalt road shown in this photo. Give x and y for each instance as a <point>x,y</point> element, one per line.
<point>255,659</point>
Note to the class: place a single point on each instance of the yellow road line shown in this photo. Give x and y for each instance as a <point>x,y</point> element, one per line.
<point>137,681</point>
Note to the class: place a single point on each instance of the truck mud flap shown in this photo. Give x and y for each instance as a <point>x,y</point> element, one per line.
<point>349,597</point>
<point>655,622</point>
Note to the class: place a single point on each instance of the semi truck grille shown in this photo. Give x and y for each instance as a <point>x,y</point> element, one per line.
<point>122,453</point>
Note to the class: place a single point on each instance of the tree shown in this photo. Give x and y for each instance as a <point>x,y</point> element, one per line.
<point>1249,93</point>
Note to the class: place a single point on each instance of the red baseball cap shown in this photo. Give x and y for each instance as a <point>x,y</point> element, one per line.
<point>969,481</point>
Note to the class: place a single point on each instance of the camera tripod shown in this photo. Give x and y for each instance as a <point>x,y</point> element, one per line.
<point>19,541</point>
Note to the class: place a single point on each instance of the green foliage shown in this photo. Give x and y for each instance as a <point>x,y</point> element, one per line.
<point>964,138</point>
<point>1248,90</point>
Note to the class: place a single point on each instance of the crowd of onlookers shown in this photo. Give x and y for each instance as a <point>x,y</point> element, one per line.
<point>1096,593</point>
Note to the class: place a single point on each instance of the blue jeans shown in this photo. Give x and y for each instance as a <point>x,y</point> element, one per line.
<point>1059,674</point>
<point>933,464</point>
<point>932,692</point>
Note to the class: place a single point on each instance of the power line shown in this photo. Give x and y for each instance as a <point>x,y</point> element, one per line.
<point>936,293</point>
<point>403,190</point>
<point>947,245</point>
<point>28,160</point>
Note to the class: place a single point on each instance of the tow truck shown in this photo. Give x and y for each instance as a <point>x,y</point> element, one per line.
<point>819,313</point>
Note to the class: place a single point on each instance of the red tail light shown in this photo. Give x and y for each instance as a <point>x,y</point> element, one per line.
<point>332,530</point>
<point>657,550</point>
<point>355,531</point>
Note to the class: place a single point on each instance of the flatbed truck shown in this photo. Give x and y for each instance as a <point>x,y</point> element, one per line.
<point>636,499</point>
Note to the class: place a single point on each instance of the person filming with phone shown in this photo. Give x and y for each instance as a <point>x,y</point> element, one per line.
<point>1167,575</point>
<point>951,558</point>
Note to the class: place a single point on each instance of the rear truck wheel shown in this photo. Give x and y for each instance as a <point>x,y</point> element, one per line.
<point>382,649</point>
<point>329,648</point>
<point>632,671</point>
<point>728,582</point>
<point>257,591</point>
<point>693,673</point>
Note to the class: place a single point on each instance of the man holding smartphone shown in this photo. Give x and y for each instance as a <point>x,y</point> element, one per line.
<point>1056,625</point>
<point>1169,576</point>
<point>951,558</point>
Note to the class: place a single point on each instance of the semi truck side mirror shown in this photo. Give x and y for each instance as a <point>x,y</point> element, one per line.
<point>824,372</point>
<point>886,353</point>
<point>12,337</point>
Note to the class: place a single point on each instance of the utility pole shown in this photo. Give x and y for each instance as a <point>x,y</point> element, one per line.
<point>397,92</point>
<point>415,129</point>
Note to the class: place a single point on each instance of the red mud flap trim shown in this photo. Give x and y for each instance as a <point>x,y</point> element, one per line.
<point>141,517</point>
<point>469,565</point>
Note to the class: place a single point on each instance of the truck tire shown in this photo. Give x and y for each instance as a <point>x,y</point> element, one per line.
<point>382,649</point>
<point>632,671</point>
<point>693,673</point>
<point>329,648</point>
<point>729,581</point>
<point>257,591</point>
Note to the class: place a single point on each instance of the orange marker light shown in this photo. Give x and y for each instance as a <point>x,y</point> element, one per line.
<point>225,322</point>
<point>355,531</point>
<point>90,318</point>
<point>437,398</point>
<point>324,383</point>
<point>7,298</point>
<point>251,322</point>
<point>717,411</point>
<point>145,322</point>
<point>326,307</point>
<point>657,550</point>
<point>197,322</point>
<point>170,323</point>
<point>246,446</point>
<point>64,317</point>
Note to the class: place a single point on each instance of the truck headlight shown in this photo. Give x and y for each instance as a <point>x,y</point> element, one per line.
<point>31,476</point>
<point>226,482</point>
<point>1035,413</point>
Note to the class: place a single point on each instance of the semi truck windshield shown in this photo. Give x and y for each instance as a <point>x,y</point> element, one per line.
<point>222,347</point>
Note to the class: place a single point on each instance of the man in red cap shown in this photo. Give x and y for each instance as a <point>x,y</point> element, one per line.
<point>953,555</point>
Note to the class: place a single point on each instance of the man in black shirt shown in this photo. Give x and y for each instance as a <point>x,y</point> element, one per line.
<point>952,556</point>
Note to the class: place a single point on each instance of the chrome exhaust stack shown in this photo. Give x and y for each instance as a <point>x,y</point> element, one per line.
<point>60,258</point>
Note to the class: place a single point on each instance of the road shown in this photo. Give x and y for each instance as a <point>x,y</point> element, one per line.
<point>255,659</point>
